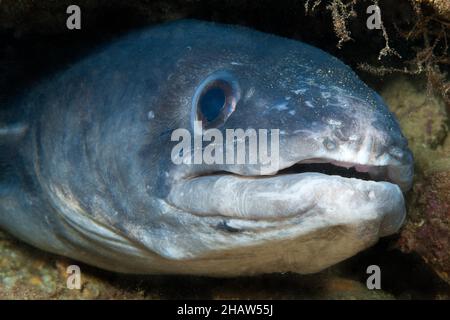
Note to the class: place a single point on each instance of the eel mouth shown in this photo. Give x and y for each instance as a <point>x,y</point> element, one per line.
<point>309,187</point>
<point>336,169</point>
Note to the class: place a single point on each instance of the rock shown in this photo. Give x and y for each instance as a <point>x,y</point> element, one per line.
<point>28,273</point>
<point>424,120</point>
<point>346,289</point>
<point>441,7</point>
<point>422,117</point>
<point>428,229</point>
<point>323,286</point>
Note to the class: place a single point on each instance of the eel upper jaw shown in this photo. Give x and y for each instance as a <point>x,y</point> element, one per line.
<point>396,172</point>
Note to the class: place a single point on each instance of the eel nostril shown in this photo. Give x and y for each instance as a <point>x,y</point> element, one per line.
<point>396,152</point>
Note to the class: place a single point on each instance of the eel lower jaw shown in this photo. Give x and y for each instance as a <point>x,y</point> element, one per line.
<point>293,192</point>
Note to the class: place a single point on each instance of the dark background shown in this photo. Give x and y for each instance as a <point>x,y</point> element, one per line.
<point>34,40</point>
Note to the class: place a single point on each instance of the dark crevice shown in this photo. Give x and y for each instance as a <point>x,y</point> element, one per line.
<point>326,168</point>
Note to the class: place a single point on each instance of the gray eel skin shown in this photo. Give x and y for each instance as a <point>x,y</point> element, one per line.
<point>86,169</point>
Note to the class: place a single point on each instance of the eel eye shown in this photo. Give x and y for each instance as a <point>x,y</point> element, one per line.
<point>215,99</point>
<point>212,101</point>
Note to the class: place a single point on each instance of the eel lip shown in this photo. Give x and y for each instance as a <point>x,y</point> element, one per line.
<point>335,190</point>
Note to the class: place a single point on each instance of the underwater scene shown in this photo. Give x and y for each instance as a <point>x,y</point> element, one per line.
<point>194,149</point>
